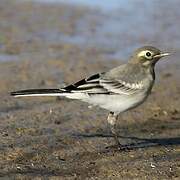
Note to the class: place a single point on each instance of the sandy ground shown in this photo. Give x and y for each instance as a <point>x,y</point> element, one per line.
<point>49,138</point>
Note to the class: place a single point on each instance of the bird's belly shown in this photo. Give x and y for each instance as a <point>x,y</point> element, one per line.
<point>117,103</point>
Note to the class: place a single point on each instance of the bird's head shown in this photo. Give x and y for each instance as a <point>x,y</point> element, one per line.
<point>147,56</point>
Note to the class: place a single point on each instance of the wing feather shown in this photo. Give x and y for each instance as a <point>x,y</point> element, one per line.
<point>121,87</point>
<point>88,85</point>
<point>96,84</point>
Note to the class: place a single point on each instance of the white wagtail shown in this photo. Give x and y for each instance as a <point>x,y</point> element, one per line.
<point>118,90</point>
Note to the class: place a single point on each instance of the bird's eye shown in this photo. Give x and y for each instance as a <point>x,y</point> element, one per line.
<point>148,55</point>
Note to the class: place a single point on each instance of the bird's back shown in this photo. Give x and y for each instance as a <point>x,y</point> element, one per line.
<point>130,73</point>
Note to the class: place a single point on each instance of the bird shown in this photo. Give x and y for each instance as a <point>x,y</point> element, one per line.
<point>118,90</point>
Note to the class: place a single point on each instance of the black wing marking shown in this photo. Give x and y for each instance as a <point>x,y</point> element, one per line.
<point>95,84</point>
<point>87,85</point>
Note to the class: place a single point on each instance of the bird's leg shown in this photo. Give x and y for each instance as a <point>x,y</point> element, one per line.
<point>112,118</point>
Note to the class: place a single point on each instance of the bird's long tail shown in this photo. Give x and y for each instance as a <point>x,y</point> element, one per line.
<point>39,92</point>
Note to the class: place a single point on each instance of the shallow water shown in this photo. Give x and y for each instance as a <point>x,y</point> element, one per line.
<point>7,57</point>
<point>124,25</point>
<point>103,4</point>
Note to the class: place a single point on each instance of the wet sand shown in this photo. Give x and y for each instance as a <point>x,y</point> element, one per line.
<point>62,139</point>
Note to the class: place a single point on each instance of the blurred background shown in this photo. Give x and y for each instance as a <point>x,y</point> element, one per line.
<point>118,26</point>
<point>51,43</point>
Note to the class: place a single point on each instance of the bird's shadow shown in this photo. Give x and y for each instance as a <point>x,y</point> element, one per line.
<point>139,142</point>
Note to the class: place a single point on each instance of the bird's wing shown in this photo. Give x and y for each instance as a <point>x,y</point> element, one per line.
<point>121,87</point>
<point>96,84</point>
<point>88,85</point>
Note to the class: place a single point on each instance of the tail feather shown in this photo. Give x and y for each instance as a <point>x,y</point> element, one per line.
<point>38,92</point>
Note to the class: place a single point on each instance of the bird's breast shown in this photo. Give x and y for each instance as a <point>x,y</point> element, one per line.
<point>118,103</point>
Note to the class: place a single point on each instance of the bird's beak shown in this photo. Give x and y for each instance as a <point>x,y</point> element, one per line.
<point>162,55</point>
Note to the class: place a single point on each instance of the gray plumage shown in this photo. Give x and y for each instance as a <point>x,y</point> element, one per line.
<point>118,90</point>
